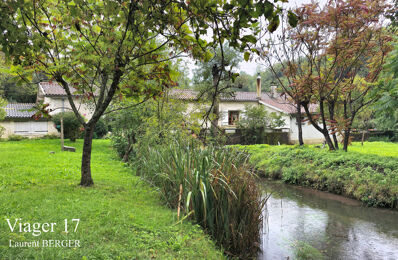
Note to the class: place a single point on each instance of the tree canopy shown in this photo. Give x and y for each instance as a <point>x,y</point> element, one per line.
<point>107,49</point>
<point>333,59</point>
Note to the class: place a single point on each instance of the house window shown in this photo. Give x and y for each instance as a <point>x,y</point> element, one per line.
<point>233,117</point>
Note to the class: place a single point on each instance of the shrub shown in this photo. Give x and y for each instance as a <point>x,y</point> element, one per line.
<point>379,139</point>
<point>101,129</point>
<point>217,188</point>
<point>50,136</point>
<point>71,125</point>
<point>2,131</point>
<point>16,137</point>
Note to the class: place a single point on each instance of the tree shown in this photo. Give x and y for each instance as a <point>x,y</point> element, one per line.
<point>13,92</point>
<point>211,84</point>
<point>256,120</point>
<point>279,54</point>
<point>333,46</point>
<point>386,107</point>
<point>106,49</point>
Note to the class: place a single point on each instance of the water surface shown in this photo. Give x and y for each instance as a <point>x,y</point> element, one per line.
<point>340,228</point>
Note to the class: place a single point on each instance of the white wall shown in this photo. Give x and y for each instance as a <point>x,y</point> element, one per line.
<point>31,128</point>
<point>310,134</point>
<point>232,106</point>
<point>54,102</point>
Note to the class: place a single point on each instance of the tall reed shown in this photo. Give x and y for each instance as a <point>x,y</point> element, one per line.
<point>218,191</point>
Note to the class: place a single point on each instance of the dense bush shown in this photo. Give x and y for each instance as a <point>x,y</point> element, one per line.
<point>50,136</point>
<point>100,130</point>
<point>370,178</point>
<point>254,123</point>
<point>71,125</point>
<point>217,189</point>
<point>16,137</point>
<point>2,131</point>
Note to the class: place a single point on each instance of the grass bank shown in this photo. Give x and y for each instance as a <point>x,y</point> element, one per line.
<point>359,174</point>
<point>120,217</point>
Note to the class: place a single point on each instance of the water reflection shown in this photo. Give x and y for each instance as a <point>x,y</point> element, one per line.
<point>338,227</point>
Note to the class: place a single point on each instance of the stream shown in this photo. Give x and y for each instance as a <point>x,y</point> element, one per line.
<point>340,228</point>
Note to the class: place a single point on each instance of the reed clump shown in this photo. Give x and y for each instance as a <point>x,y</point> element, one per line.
<point>213,186</point>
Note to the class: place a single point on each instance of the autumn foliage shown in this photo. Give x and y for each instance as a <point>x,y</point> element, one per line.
<point>342,47</point>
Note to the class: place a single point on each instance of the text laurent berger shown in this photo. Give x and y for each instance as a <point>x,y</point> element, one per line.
<point>45,243</point>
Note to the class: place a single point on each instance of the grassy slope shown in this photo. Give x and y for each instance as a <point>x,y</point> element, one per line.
<point>360,173</point>
<point>120,217</point>
<point>377,148</point>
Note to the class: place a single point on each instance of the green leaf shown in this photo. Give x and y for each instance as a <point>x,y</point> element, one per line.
<point>273,25</point>
<point>292,19</point>
<point>249,38</point>
<point>268,9</point>
<point>247,56</point>
<point>96,28</point>
<point>228,7</point>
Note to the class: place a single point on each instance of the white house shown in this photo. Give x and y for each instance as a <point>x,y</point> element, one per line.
<point>53,94</point>
<point>19,119</point>
<point>232,108</point>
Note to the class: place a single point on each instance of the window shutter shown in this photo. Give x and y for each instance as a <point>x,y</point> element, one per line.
<point>224,117</point>
<point>39,127</point>
<point>22,127</point>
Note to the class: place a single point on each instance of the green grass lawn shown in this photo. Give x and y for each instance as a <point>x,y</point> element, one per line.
<point>121,217</point>
<point>378,148</point>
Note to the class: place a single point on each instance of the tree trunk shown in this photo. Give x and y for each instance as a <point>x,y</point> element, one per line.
<point>127,153</point>
<point>328,140</point>
<point>214,122</point>
<point>336,142</point>
<point>331,106</point>
<point>347,133</point>
<point>299,119</point>
<point>132,141</point>
<point>323,130</point>
<point>86,179</point>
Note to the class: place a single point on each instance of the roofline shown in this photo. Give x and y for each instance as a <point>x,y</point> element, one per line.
<point>42,90</point>
<point>24,117</point>
<point>277,109</point>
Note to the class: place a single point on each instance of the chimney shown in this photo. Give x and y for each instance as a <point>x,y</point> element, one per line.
<point>274,92</point>
<point>258,86</point>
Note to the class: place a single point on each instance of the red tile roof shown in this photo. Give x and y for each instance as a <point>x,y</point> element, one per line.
<point>54,89</point>
<point>276,102</point>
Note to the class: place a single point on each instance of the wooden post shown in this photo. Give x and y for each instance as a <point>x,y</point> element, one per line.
<point>363,136</point>
<point>62,132</point>
<point>179,203</point>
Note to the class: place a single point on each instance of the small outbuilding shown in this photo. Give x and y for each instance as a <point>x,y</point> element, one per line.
<point>19,121</point>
